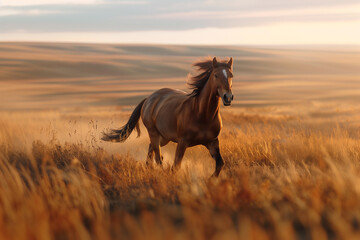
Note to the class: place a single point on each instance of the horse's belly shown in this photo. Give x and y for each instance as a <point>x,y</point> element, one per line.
<point>166,124</point>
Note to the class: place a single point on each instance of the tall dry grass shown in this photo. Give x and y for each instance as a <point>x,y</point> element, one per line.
<point>287,176</point>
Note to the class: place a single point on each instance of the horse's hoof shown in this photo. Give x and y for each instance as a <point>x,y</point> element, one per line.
<point>214,175</point>
<point>149,165</point>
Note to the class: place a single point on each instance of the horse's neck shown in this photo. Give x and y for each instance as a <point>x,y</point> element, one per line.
<point>208,103</point>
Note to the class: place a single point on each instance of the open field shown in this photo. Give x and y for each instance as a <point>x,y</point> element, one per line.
<point>291,143</point>
<point>53,76</point>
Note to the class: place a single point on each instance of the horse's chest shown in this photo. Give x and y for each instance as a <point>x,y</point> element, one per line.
<point>208,134</point>
<point>203,134</point>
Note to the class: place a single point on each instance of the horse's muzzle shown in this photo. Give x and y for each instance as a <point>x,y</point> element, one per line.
<point>227,98</point>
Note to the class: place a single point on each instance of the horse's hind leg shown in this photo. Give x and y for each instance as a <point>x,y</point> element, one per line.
<point>155,145</point>
<point>215,153</point>
<point>150,155</point>
<point>158,156</point>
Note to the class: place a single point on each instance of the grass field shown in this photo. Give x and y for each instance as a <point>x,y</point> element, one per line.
<point>291,143</point>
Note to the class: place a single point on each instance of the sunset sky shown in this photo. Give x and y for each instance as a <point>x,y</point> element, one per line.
<point>230,22</point>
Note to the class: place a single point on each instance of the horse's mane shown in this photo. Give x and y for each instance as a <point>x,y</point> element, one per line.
<point>197,83</point>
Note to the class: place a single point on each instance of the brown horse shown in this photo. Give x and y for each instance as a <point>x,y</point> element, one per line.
<point>187,119</point>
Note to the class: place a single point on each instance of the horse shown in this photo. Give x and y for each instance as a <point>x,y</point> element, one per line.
<point>188,119</point>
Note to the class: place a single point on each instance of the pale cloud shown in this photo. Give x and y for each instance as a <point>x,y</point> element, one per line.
<point>22,3</point>
<point>31,12</point>
<point>18,3</point>
<point>318,11</point>
<point>182,22</point>
<point>342,32</point>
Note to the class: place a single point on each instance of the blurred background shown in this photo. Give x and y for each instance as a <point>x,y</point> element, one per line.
<point>60,53</point>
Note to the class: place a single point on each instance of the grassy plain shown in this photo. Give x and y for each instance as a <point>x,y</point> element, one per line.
<point>291,143</point>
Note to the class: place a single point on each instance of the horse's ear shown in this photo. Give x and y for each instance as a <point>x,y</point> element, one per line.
<point>230,63</point>
<point>214,61</point>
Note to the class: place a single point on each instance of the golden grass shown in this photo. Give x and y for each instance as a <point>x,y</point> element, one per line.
<point>291,143</point>
<point>287,176</point>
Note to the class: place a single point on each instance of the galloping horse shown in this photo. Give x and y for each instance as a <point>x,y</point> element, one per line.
<point>186,119</point>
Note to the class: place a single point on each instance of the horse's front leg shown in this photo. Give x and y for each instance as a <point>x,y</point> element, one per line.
<point>180,151</point>
<point>214,150</point>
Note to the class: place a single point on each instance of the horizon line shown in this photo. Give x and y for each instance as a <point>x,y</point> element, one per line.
<point>187,44</point>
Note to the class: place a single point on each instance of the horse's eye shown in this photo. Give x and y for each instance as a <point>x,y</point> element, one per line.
<point>215,75</point>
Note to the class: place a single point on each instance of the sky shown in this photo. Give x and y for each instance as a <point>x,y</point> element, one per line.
<point>199,22</point>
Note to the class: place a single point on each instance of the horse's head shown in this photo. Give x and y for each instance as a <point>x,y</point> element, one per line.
<point>222,78</point>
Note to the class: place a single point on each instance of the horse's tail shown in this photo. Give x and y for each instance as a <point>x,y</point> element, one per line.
<point>120,135</point>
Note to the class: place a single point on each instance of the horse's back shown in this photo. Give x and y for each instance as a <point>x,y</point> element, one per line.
<point>162,98</point>
<point>169,92</point>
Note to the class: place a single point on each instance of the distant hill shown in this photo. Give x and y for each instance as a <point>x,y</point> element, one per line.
<point>55,75</point>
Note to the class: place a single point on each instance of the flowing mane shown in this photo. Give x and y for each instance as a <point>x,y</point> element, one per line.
<point>197,83</point>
